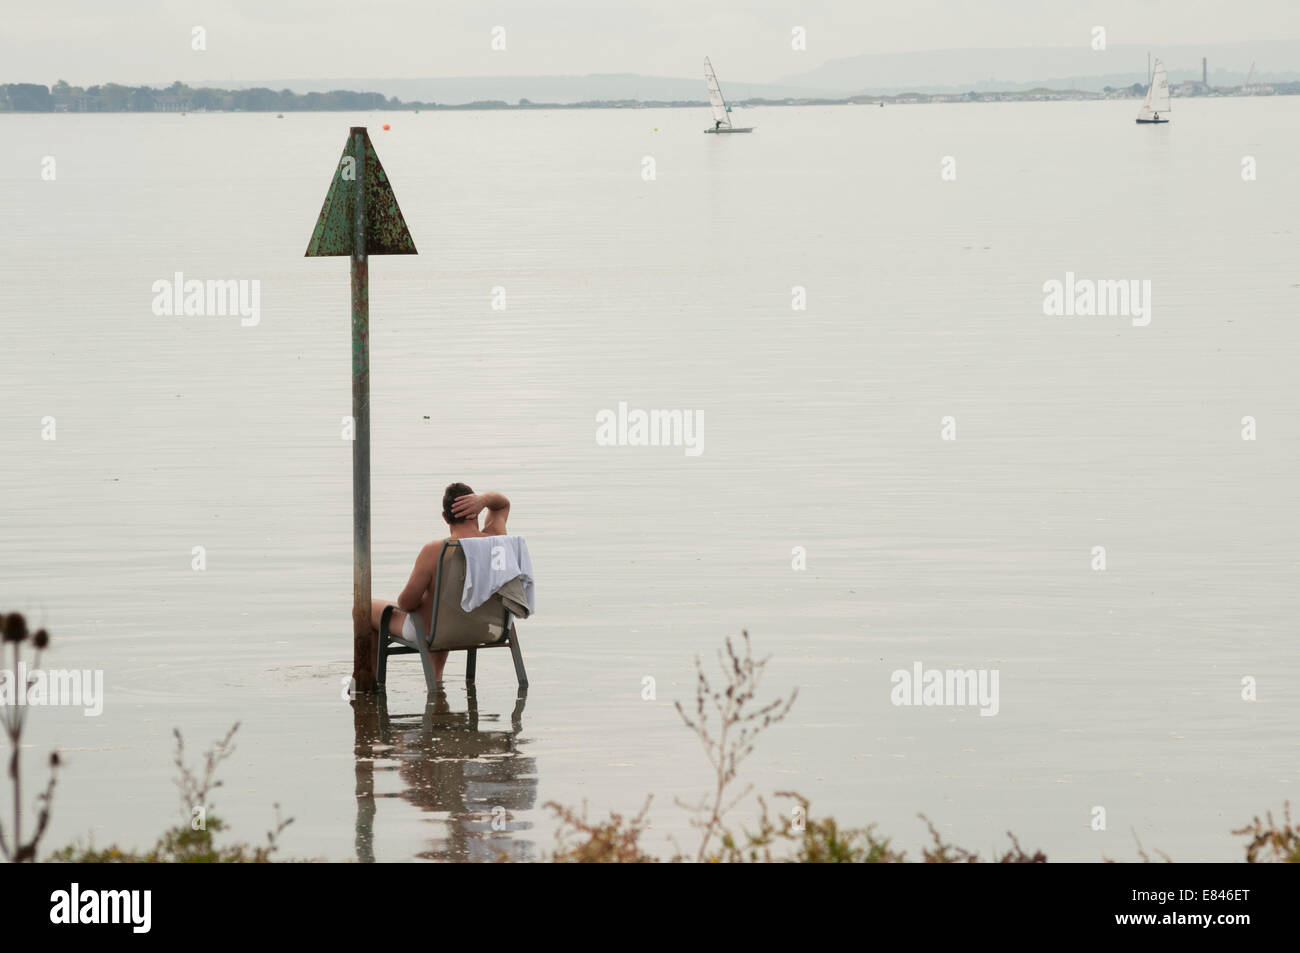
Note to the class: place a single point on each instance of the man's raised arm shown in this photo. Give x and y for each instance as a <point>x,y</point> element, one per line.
<point>496,504</point>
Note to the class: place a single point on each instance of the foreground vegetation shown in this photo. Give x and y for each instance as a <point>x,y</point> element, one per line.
<point>727,720</point>
<point>191,841</point>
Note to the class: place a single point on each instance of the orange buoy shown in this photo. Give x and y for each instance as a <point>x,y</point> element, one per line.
<point>386,127</point>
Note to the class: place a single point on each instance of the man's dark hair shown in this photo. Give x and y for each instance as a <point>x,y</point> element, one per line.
<point>449,496</point>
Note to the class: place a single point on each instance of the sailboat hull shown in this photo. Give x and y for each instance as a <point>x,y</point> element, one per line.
<point>733,129</point>
<point>1150,122</point>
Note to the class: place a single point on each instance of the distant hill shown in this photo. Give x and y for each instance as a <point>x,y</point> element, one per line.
<point>1076,67</point>
<point>541,89</point>
<point>930,71</point>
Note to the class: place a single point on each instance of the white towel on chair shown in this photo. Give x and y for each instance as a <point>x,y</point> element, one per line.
<point>490,563</point>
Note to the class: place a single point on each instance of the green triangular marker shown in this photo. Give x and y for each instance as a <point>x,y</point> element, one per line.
<point>386,232</point>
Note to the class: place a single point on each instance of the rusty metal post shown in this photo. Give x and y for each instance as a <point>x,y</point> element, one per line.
<point>360,219</point>
<point>365,645</point>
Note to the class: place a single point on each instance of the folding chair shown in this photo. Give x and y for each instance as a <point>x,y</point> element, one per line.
<point>489,626</point>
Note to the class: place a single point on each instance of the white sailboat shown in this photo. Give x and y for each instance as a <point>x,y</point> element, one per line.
<point>1157,100</point>
<point>721,111</point>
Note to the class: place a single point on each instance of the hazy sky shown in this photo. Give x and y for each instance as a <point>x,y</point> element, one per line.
<point>149,41</point>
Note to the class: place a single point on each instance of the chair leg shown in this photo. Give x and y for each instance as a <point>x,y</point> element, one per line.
<point>426,660</point>
<point>471,663</point>
<point>430,682</point>
<point>381,663</point>
<point>517,716</point>
<point>520,674</point>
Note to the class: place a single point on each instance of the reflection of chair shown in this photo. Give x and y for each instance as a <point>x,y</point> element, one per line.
<point>462,770</point>
<point>454,629</point>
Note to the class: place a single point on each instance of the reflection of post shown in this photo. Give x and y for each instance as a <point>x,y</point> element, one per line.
<point>365,646</point>
<point>365,726</point>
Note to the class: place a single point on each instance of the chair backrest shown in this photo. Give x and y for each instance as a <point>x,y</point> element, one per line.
<point>453,627</point>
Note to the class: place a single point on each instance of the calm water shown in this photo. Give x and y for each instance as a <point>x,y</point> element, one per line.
<point>1119,689</point>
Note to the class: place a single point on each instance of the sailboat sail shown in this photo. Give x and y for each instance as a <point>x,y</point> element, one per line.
<point>1157,100</point>
<point>720,117</point>
<point>1159,90</point>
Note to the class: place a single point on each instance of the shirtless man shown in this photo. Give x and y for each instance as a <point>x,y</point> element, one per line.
<point>460,509</point>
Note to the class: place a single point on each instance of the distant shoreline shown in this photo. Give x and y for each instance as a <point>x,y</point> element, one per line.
<point>179,98</point>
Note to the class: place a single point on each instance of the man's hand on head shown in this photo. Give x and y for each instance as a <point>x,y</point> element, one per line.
<point>468,506</point>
